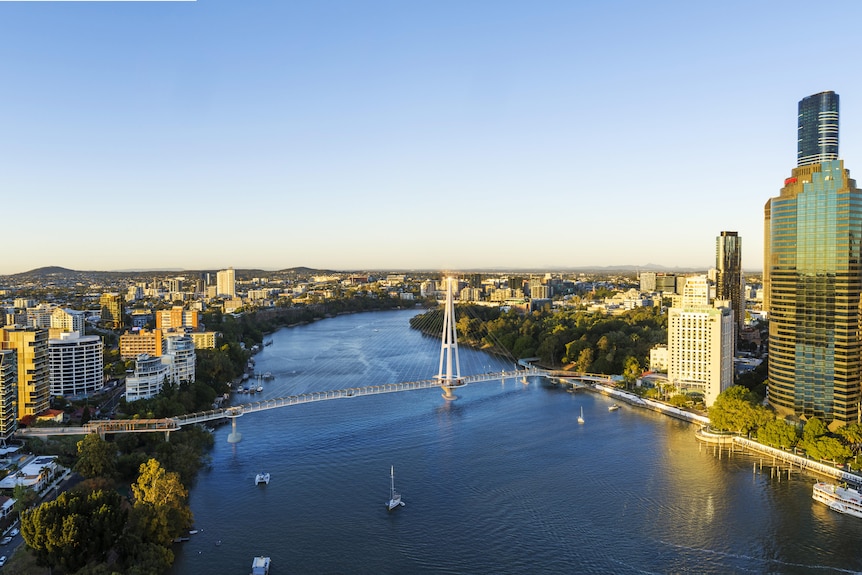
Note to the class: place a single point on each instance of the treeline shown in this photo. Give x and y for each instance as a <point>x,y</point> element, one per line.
<point>92,529</point>
<point>588,342</point>
<point>741,411</point>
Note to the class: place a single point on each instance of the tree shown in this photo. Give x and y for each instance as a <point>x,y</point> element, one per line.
<point>96,457</point>
<point>76,528</point>
<point>778,433</point>
<point>736,409</point>
<point>161,503</point>
<point>24,497</point>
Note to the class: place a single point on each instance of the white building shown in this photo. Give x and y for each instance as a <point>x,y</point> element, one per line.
<point>65,319</point>
<point>180,357</point>
<point>700,343</point>
<point>659,358</point>
<point>226,283</point>
<point>75,365</point>
<point>147,379</point>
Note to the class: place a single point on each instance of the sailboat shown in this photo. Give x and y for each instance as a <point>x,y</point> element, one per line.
<point>581,416</point>
<point>394,496</point>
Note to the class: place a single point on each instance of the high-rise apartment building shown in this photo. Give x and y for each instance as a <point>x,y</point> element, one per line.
<point>226,283</point>
<point>177,318</point>
<point>76,365</point>
<point>8,394</point>
<point>31,347</point>
<point>135,343</point>
<point>700,342</point>
<point>728,274</point>
<point>812,275</point>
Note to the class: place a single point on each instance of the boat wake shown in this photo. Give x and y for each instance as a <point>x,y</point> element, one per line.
<point>806,566</point>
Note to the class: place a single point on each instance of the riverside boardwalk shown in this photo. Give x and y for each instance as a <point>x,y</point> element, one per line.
<point>732,441</point>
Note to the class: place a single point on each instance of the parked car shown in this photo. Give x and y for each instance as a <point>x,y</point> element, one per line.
<point>5,540</point>
<point>2,560</point>
<point>14,532</point>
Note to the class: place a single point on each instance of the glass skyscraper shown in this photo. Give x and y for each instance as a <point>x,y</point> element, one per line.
<point>817,139</point>
<point>813,278</point>
<point>728,280</point>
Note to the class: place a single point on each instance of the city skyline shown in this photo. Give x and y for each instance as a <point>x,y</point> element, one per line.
<point>203,135</point>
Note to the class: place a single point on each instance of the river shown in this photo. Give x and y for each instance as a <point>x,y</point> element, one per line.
<point>502,480</point>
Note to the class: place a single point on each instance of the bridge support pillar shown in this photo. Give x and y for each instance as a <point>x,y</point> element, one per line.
<point>447,393</point>
<point>234,436</point>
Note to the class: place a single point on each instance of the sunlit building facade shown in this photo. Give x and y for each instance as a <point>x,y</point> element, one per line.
<point>31,347</point>
<point>813,282</point>
<point>8,394</point>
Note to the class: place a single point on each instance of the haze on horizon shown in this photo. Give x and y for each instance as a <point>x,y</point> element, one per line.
<point>385,135</point>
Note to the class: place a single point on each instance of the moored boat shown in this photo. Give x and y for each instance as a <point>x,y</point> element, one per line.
<point>840,499</point>
<point>261,478</point>
<point>613,407</point>
<point>394,496</point>
<point>581,416</point>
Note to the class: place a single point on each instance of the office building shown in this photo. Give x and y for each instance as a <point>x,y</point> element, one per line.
<point>112,310</point>
<point>226,284</point>
<point>813,277</point>
<point>728,275</point>
<point>31,347</point>
<point>700,343</point>
<point>75,365</point>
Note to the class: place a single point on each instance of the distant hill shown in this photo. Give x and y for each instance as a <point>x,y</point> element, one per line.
<point>47,271</point>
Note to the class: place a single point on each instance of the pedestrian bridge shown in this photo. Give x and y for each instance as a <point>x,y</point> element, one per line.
<point>169,424</point>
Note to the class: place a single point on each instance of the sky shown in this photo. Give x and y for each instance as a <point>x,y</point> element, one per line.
<point>373,134</point>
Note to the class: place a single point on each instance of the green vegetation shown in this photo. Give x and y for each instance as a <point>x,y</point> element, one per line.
<point>739,410</point>
<point>586,341</point>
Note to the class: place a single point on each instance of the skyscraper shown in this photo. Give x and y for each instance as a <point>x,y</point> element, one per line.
<point>728,280</point>
<point>817,139</point>
<point>813,276</point>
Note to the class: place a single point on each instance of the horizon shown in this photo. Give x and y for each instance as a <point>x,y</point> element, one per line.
<point>401,136</point>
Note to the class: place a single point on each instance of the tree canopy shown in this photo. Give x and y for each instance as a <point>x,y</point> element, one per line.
<point>76,528</point>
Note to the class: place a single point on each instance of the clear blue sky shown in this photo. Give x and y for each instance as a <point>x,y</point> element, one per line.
<point>369,134</point>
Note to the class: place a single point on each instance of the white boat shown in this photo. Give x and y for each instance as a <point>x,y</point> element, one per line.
<point>260,565</point>
<point>581,416</point>
<point>837,498</point>
<point>261,478</point>
<point>613,407</point>
<point>394,496</point>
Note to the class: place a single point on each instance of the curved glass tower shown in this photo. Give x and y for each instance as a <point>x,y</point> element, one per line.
<point>817,140</point>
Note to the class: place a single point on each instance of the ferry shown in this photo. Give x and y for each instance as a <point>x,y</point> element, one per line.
<point>840,499</point>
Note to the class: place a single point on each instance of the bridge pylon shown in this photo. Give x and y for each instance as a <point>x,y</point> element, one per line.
<point>234,436</point>
<point>449,360</point>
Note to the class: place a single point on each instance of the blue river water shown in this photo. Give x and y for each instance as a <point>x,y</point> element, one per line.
<point>502,480</point>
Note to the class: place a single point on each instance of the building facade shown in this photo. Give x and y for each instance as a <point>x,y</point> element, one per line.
<point>817,129</point>
<point>68,320</point>
<point>147,379</point>
<point>700,343</point>
<point>180,356</point>
<point>31,347</point>
<point>8,394</point>
<point>76,365</point>
<point>176,318</point>
<point>226,283</point>
<point>813,278</point>
<point>112,310</point>
<point>135,343</point>
<point>729,282</point>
